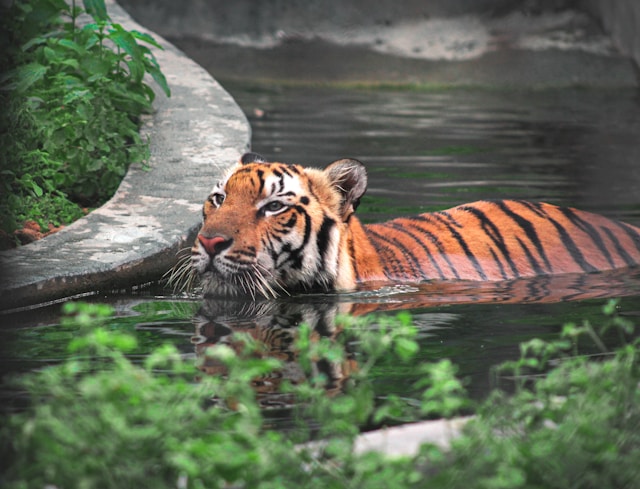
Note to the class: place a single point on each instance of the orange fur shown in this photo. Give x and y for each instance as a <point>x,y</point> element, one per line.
<point>270,228</point>
<point>500,240</point>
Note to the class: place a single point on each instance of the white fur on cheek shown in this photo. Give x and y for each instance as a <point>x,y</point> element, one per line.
<point>199,258</point>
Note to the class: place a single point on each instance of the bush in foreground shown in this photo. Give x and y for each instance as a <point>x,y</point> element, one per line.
<point>99,420</point>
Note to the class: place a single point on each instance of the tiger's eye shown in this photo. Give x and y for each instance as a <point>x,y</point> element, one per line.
<point>274,206</point>
<point>217,199</point>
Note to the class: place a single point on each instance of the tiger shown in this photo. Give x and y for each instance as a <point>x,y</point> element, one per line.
<point>273,328</point>
<point>271,229</point>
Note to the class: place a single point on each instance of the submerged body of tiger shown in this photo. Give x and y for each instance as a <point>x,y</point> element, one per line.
<point>273,228</point>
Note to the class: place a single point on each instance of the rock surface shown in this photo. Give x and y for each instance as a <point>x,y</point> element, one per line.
<point>195,134</point>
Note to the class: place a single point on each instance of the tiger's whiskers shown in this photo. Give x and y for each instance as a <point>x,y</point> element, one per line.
<point>181,277</point>
<point>260,273</point>
<point>247,283</point>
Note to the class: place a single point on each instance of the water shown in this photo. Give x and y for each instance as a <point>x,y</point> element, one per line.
<point>430,150</point>
<point>424,151</point>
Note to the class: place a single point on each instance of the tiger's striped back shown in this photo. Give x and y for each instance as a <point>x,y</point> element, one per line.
<point>271,228</point>
<point>501,240</point>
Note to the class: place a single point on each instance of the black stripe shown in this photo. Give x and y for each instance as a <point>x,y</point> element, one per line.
<point>250,252</point>
<point>590,230</point>
<point>296,255</point>
<point>528,228</point>
<point>307,225</point>
<point>419,240</point>
<point>496,236</point>
<point>324,237</point>
<point>434,239</point>
<point>450,222</point>
<point>291,222</point>
<point>535,207</point>
<point>497,260</point>
<point>532,260</point>
<point>621,251</point>
<point>631,232</point>
<point>398,270</point>
<point>261,180</point>
<point>571,246</point>
<point>352,254</point>
<point>286,170</point>
<point>311,191</point>
<point>281,182</point>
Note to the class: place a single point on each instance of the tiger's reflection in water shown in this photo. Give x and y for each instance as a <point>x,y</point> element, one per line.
<point>274,325</point>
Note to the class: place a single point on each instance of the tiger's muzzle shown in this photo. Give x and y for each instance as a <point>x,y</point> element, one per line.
<point>214,245</point>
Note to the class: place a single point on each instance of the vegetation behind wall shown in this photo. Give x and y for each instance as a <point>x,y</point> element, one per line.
<point>74,90</point>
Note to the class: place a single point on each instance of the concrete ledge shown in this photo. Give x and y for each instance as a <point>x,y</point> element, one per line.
<point>134,238</point>
<point>406,440</point>
<point>402,441</point>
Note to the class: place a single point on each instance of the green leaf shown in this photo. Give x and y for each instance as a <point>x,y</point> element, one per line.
<point>27,75</point>
<point>95,165</point>
<point>406,348</point>
<point>127,99</point>
<point>33,42</point>
<point>160,79</point>
<point>97,67</point>
<point>72,63</point>
<point>146,38</point>
<point>125,41</point>
<point>97,10</point>
<point>37,189</point>
<point>73,46</point>
<point>74,95</point>
<point>148,91</point>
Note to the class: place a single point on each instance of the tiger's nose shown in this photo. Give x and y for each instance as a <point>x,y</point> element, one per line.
<point>214,245</point>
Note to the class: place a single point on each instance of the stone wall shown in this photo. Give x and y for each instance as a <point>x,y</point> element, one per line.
<point>254,19</point>
<point>621,19</point>
<point>266,23</point>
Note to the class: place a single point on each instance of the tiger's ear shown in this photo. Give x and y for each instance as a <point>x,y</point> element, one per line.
<point>247,158</point>
<point>349,177</point>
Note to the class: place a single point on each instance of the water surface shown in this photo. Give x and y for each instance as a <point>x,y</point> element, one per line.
<point>424,151</point>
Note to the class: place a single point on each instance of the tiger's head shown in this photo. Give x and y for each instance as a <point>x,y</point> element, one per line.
<point>271,228</point>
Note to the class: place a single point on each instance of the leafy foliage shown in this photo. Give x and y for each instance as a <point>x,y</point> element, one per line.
<point>161,424</point>
<point>577,426</point>
<point>102,420</point>
<point>75,93</point>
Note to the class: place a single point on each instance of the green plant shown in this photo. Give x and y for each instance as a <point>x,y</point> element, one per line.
<point>75,93</point>
<point>120,424</point>
<point>576,426</point>
<point>100,419</point>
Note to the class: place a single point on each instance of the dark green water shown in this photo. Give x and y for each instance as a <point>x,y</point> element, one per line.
<point>424,151</point>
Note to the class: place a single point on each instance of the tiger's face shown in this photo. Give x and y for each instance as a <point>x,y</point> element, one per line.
<point>271,228</point>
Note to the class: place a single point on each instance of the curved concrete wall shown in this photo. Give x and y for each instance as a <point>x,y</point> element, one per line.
<point>621,19</point>
<point>265,22</point>
<point>253,20</point>
<point>133,239</point>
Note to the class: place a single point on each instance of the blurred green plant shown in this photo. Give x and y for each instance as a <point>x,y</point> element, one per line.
<point>74,93</point>
<point>105,419</point>
<point>574,420</point>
